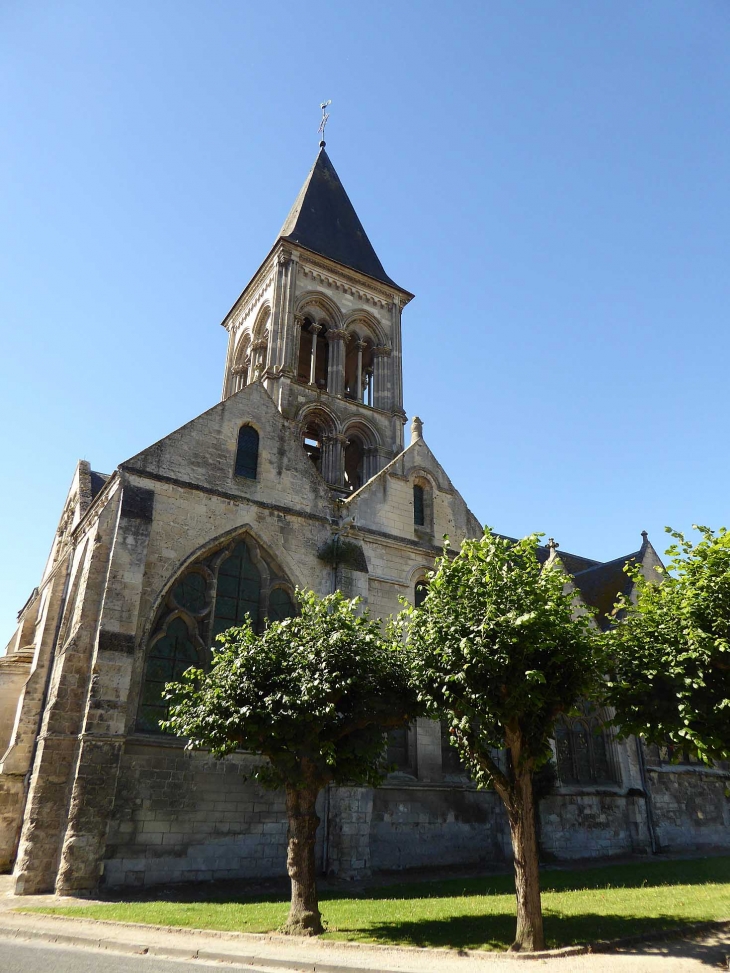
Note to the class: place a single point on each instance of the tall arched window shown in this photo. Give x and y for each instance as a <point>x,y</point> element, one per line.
<point>582,750</point>
<point>420,592</point>
<point>214,594</point>
<point>422,504</point>
<point>247,453</point>
<point>419,509</point>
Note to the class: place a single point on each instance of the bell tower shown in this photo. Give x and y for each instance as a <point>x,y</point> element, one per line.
<point>320,325</point>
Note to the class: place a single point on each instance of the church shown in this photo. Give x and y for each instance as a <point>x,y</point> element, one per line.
<point>300,476</point>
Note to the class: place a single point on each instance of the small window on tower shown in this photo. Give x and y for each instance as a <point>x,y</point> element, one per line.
<point>247,454</point>
<point>419,507</point>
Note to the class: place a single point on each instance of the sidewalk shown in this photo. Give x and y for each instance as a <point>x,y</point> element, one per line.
<point>273,952</point>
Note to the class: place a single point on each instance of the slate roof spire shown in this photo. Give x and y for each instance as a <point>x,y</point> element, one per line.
<point>324,220</point>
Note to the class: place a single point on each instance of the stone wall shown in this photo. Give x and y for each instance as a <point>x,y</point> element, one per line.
<point>432,825</point>
<point>593,825</point>
<point>691,807</point>
<point>183,816</point>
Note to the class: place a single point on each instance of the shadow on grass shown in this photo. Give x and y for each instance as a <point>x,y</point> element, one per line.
<point>644,874</point>
<point>497,931</point>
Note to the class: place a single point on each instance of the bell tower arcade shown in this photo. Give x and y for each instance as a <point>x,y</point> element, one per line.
<point>320,325</point>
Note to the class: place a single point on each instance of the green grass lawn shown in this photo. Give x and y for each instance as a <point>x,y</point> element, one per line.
<point>476,913</point>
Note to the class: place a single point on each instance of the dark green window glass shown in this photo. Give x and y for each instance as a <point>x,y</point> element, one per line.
<point>239,585</point>
<point>189,592</point>
<point>169,657</point>
<point>280,605</point>
<point>419,511</point>
<point>247,454</point>
<point>397,752</point>
<point>564,755</point>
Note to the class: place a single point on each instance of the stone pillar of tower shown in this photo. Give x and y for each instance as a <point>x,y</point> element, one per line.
<point>381,378</point>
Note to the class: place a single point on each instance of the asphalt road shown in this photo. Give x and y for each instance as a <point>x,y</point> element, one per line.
<point>23,957</point>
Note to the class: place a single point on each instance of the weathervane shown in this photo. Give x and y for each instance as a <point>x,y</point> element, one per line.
<point>325,118</point>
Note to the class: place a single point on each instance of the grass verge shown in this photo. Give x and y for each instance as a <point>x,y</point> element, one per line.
<point>478,913</point>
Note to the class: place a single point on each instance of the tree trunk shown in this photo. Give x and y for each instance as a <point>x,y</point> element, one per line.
<point>521,813</point>
<point>304,918</point>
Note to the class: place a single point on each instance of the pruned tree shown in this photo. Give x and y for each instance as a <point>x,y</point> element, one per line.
<point>499,652</point>
<point>315,694</point>
<point>670,649</point>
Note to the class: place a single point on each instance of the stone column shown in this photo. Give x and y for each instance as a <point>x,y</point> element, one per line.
<point>369,386</point>
<point>360,345</point>
<point>279,307</point>
<point>336,370</point>
<point>292,348</point>
<point>370,463</point>
<point>258,358</point>
<point>314,330</point>
<point>381,385</point>
<point>333,459</point>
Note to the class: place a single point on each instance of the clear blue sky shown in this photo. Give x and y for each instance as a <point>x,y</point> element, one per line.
<point>550,178</point>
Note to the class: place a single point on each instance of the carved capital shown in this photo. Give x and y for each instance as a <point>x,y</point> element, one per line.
<point>337,334</point>
<point>315,328</point>
<point>381,352</point>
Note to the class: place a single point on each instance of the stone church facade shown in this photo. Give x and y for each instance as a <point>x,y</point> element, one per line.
<point>299,476</point>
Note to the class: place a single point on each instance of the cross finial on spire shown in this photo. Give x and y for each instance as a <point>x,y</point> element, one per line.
<point>325,118</point>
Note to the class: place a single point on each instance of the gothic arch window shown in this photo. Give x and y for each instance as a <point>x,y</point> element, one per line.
<point>218,591</point>
<point>247,452</point>
<point>313,361</point>
<point>582,749</point>
<point>423,504</point>
<point>419,511</point>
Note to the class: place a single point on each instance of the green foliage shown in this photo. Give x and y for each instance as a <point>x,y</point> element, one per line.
<point>670,653</point>
<point>315,694</point>
<point>497,649</point>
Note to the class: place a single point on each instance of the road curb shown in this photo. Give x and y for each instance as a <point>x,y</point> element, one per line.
<point>173,952</point>
<point>244,957</point>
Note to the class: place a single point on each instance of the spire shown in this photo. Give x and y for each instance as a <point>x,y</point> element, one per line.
<point>324,220</point>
